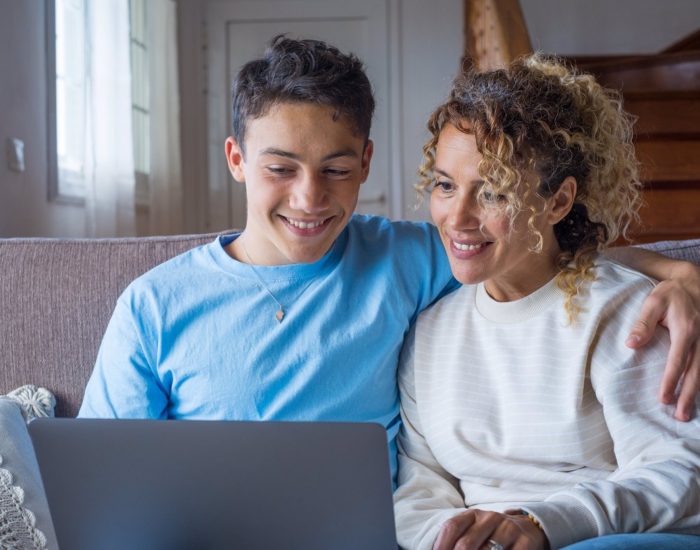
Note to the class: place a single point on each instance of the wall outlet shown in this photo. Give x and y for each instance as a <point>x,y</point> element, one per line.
<point>15,154</point>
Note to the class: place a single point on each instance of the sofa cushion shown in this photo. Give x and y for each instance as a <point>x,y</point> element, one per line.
<point>56,297</point>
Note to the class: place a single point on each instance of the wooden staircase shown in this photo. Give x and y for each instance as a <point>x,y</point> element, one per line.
<point>663,91</point>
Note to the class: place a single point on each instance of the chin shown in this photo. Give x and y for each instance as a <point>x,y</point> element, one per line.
<point>468,278</point>
<point>307,257</point>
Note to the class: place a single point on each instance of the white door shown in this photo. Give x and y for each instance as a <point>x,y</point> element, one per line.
<point>239,31</point>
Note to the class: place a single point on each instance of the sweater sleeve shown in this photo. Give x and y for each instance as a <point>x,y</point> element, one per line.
<point>427,495</point>
<point>656,486</point>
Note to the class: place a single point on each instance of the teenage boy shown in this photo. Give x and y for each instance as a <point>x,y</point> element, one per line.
<point>302,315</point>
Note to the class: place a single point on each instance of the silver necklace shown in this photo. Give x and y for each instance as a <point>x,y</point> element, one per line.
<point>279,315</point>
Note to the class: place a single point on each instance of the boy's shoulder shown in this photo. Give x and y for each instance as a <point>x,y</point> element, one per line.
<point>179,269</point>
<point>396,232</point>
<point>406,250</point>
<point>371,222</point>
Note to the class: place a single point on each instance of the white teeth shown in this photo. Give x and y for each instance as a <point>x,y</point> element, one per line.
<point>304,225</point>
<point>460,246</point>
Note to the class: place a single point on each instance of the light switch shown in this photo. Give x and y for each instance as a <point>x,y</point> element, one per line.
<point>15,154</point>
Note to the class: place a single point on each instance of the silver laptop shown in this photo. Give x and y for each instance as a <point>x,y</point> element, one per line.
<point>199,485</point>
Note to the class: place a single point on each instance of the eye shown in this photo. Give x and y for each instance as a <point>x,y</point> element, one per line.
<point>491,197</point>
<point>443,186</point>
<point>278,170</point>
<point>337,173</point>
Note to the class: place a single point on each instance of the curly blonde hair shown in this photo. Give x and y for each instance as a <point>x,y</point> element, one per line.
<point>540,117</point>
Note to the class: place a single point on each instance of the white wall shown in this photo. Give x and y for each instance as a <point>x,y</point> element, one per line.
<point>430,60</point>
<point>592,27</point>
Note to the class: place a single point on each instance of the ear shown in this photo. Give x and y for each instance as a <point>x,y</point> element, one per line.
<point>561,202</point>
<point>367,159</point>
<point>236,162</point>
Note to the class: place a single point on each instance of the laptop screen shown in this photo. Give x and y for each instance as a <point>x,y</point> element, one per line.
<point>164,484</point>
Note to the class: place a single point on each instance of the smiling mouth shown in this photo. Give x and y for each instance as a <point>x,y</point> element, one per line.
<point>306,225</point>
<point>464,247</point>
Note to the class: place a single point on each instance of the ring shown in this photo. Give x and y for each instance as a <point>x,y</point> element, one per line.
<point>493,545</point>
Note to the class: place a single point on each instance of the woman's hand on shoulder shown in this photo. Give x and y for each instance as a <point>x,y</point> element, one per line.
<point>675,304</point>
<point>478,529</point>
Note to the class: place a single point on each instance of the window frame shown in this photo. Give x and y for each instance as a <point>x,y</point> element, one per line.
<point>141,179</point>
<point>63,186</point>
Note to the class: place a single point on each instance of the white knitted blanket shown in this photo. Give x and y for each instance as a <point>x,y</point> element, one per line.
<point>17,523</point>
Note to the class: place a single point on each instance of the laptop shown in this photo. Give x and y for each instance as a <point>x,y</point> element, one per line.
<point>200,485</point>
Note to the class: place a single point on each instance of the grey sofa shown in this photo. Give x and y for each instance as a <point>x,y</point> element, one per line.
<point>56,297</point>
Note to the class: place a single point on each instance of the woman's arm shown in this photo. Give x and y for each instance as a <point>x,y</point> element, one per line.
<point>656,486</point>
<point>427,495</point>
<point>675,304</point>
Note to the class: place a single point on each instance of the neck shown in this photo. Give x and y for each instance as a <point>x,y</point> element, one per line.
<point>533,273</point>
<point>238,249</point>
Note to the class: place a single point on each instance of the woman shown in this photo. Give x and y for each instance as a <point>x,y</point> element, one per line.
<point>526,424</point>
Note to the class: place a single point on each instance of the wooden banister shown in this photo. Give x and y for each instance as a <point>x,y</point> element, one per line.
<point>685,44</point>
<point>495,32</point>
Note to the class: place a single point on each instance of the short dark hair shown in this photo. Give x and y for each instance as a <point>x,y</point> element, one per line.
<point>302,71</point>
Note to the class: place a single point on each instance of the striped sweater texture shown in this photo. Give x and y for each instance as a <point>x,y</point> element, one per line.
<point>508,405</point>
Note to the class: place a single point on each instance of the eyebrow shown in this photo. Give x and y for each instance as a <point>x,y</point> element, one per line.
<point>441,172</point>
<point>288,154</point>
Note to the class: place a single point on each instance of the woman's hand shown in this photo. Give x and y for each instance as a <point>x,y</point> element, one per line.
<point>473,529</point>
<point>675,304</point>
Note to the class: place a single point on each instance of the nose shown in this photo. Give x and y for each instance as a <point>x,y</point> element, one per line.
<point>309,194</point>
<point>465,212</point>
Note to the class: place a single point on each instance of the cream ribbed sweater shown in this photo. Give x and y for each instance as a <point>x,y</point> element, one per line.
<point>507,405</point>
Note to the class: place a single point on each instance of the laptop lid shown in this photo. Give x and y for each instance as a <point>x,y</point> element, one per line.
<point>184,485</point>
